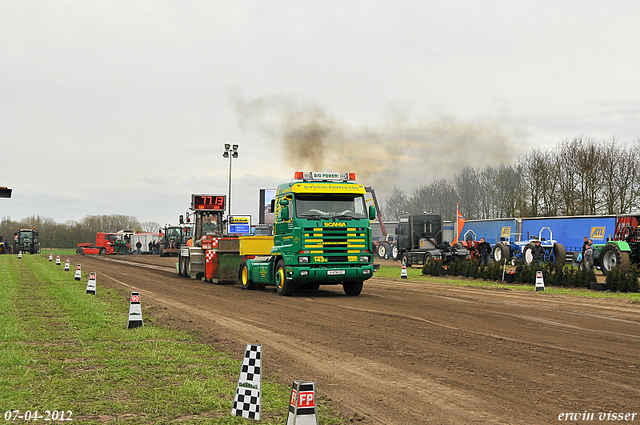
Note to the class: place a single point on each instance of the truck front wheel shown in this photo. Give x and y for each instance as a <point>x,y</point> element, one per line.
<point>352,288</point>
<point>284,287</point>
<point>103,251</point>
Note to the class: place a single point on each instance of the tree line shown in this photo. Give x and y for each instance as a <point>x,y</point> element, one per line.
<point>71,233</point>
<point>579,176</point>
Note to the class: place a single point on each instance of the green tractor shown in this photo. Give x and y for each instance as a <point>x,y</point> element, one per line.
<point>623,250</point>
<point>26,240</point>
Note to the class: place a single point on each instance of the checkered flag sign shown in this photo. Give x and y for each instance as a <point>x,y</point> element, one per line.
<point>247,400</point>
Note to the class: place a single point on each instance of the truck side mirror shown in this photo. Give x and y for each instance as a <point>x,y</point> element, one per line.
<point>284,212</point>
<point>284,202</point>
<point>181,219</point>
<point>372,212</point>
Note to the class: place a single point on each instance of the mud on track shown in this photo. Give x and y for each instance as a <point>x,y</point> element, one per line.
<point>405,352</point>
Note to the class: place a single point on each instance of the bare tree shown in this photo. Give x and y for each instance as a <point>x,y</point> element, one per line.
<point>467,185</point>
<point>508,188</point>
<point>395,205</point>
<point>150,226</point>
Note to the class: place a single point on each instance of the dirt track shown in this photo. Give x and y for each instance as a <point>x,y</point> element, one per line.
<point>411,353</point>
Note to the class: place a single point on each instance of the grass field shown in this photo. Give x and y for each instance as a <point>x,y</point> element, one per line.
<point>64,350</point>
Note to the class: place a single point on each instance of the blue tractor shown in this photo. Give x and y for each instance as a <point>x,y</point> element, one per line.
<point>508,250</point>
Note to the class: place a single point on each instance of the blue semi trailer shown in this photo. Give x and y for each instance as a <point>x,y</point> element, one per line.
<point>562,237</point>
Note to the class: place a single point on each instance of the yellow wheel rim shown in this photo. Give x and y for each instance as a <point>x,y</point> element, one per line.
<point>280,278</point>
<point>245,275</point>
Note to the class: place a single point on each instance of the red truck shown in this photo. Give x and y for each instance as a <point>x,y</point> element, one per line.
<point>106,244</point>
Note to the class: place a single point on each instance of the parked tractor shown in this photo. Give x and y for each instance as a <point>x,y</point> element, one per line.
<point>623,250</point>
<point>554,252</point>
<point>26,240</point>
<point>172,240</point>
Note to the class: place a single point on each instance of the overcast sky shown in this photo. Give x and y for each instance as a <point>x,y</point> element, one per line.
<point>124,107</point>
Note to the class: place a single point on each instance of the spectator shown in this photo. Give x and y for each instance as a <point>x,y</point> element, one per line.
<point>537,252</point>
<point>588,254</point>
<point>485,250</point>
<point>150,247</point>
<point>138,246</point>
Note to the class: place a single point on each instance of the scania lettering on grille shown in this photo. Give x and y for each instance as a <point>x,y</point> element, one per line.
<point>332,224</point>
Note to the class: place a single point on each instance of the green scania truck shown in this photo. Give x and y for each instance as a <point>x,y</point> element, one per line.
<point>321,236</point>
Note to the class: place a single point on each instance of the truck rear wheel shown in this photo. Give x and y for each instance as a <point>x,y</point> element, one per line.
<point>244,277</point>
<point>79,251</point>
<point>284,287</point>
<point>612,257</point>
<point>352,288</point>
<point>103,251</point>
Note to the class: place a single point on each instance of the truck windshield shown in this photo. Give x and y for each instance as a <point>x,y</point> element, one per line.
<point>173,231</point>
<point>323,206</point>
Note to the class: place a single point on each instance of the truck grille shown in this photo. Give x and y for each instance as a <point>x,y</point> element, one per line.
<point>334,241</point>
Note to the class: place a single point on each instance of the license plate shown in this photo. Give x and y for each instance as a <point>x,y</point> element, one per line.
<point>335,272</point>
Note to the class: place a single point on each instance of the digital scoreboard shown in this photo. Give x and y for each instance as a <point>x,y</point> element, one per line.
<point>208,202</point>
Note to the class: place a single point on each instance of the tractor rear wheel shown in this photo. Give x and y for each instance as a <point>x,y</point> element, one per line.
<point>559,253</point>
<point>284,287</point>
<point>501,252</point>
<point>527,254</point>
<point>383,250</point>
<point>612,257</point>
<point>187,267</point>
<point>394,252</point>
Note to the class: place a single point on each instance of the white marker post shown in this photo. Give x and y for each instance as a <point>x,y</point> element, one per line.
<point>78,275</point>
<point>57,260</point>
<point>67,266</point>
<point>302,407</point>
<point>135,311</point>
<point>91,284</point>
<point>539,281</point>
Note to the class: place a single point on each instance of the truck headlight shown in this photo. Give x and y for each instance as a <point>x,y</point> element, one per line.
<point>366,271</point>
<point>304,272</point>
<point>303,260</point>
<point>365,259</point>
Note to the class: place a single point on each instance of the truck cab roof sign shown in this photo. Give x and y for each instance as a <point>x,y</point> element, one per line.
<point>324,176</point>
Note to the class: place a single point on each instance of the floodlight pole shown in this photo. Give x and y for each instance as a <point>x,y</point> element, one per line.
<point>230,152</point>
